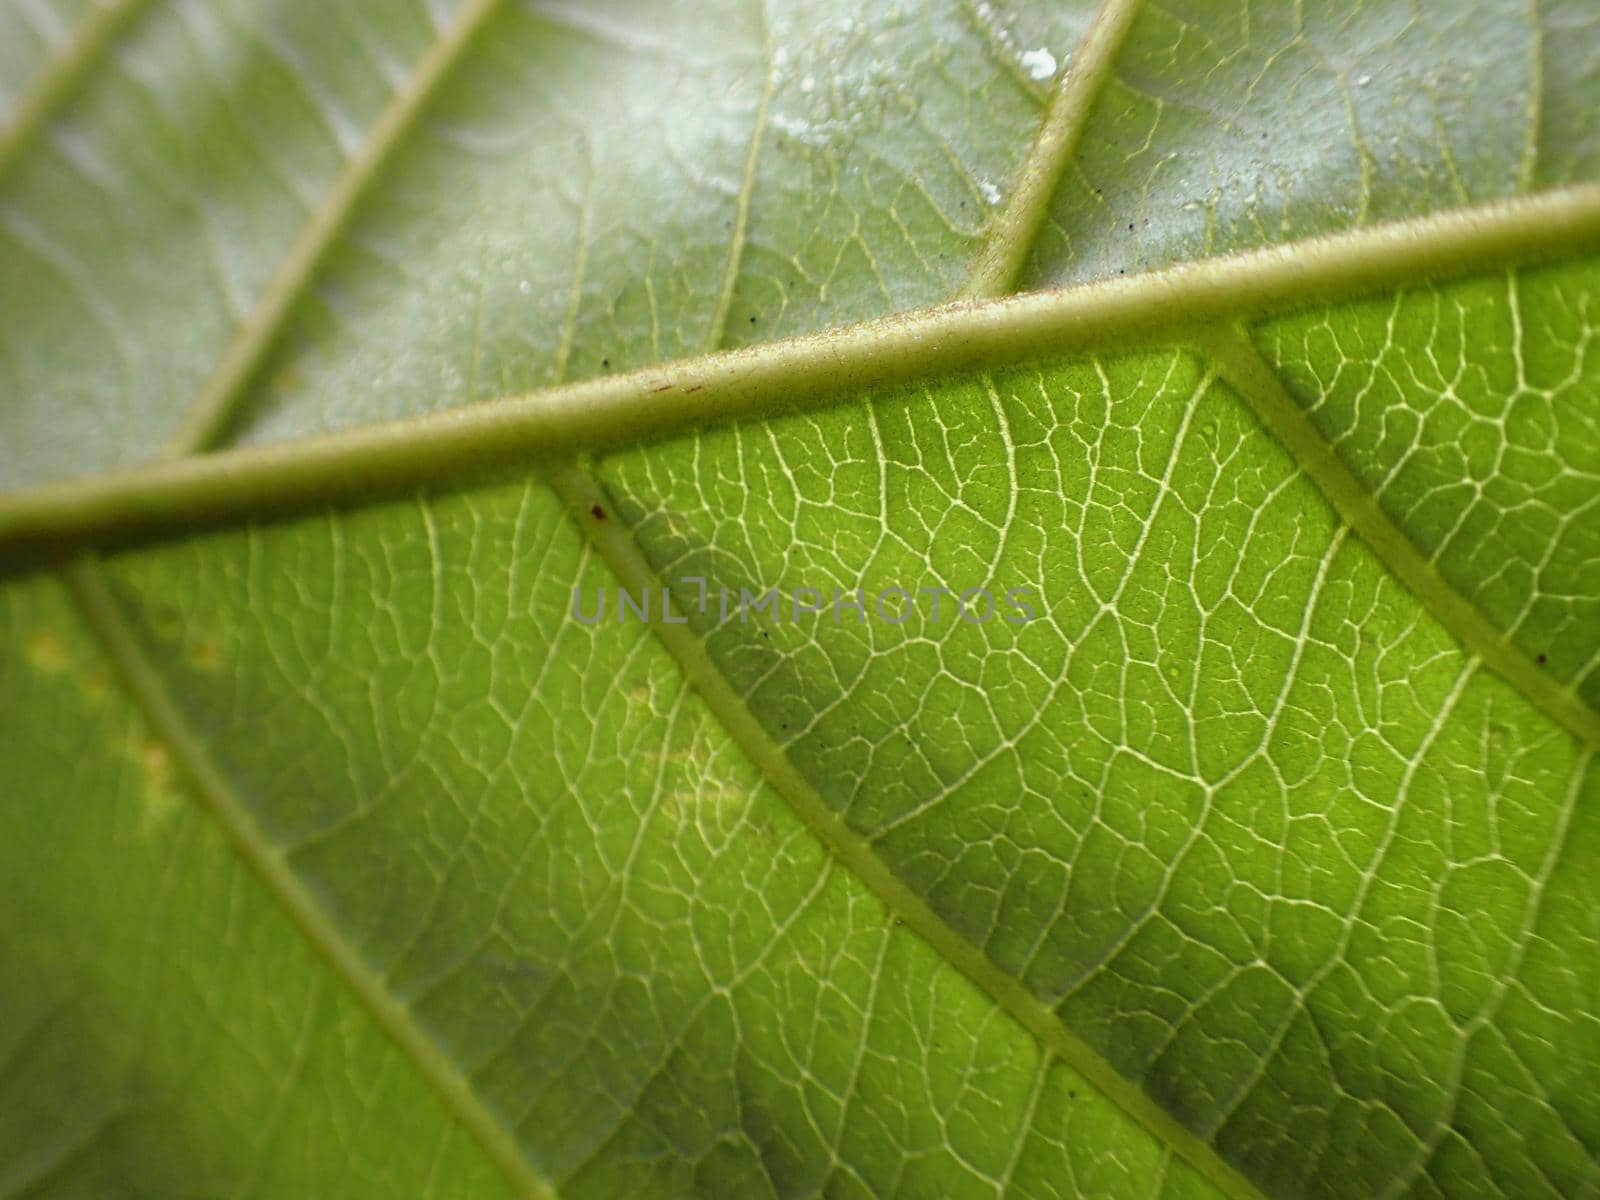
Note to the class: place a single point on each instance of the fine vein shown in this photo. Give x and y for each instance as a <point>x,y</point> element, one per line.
<point>998,265</point>
<point>212,411</point>
<point>62,74</point>
<point>718,329</point>
<point>1241,365</point>
<point>202,425</point>
<point>461,445</point>
<point>981,16</point>
<point>102,613</point>
<point>582,495</point>
<point>585,497</point>
<point>420,451</point>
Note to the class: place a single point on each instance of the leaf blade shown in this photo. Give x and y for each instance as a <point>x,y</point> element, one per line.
<point>1439,1075</point>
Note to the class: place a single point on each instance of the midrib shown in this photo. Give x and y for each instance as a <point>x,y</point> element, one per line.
<point>994,272</point>
<point>397,457</point>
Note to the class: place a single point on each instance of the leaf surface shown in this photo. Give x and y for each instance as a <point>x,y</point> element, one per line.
<point>342,856</point>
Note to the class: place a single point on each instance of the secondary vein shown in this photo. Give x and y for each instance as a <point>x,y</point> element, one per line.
<point>103,615</point>
<point>1242,366</point>
<point>62,74</point>
<point>208,418</point>
<point>205,421</point>
<point>718,328</point>
<point>585,497</point>
<point>998,265</point>
<point>581,494</point>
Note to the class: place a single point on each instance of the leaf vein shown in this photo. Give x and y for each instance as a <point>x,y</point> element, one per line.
<point>451,446</point>
<point>62,74</point>
<point>210,414</point>
<point>580,492</point>
<point>1000,262</point>
<point>102,614</point>
<point>1242,366</point>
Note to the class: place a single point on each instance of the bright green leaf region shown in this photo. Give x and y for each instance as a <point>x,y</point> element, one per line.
<point>1240,362</point>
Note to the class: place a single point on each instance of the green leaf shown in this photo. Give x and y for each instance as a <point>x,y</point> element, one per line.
<point>344,351</point>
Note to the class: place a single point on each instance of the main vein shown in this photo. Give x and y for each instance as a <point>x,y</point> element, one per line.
<point>399,456</point>
<point>459,445</point>
<point>103,615</point>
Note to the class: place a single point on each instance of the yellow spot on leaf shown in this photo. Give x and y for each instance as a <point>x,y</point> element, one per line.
<point>45,651</point>
<point>160,793</point>
<point>156,762</point>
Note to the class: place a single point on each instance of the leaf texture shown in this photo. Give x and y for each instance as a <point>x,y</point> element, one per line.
<point>342,857</point>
